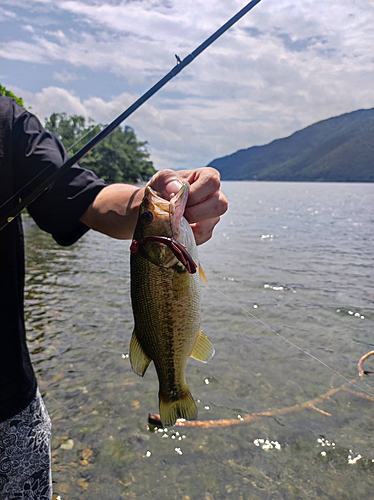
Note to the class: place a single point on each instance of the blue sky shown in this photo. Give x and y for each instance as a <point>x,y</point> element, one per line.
<point>286,65</point>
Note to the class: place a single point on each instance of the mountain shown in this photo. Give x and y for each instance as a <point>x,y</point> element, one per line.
<point>340,149</point>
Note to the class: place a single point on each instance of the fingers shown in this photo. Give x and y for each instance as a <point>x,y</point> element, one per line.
<point>166,183</point>
<point>214,206</point>
<point>206,202</point>
<point>203,230</point>
<point>204,183</point>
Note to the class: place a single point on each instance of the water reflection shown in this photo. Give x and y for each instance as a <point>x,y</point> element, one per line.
<point>79,323</point>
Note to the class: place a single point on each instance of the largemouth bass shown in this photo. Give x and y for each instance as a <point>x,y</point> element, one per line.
<point>165,294</point>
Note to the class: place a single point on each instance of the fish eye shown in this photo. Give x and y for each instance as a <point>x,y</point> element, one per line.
<point>147,216</point>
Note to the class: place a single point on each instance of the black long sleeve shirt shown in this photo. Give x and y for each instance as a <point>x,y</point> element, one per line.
<point>26,149</point>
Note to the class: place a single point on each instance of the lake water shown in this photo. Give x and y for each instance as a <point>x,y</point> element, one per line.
<point>300,258</point>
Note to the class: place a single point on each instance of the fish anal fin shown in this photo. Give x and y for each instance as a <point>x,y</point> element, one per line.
<point>138,358</point>
<point>203,349</point>
<point>183,407</point>
<point>202,275</point>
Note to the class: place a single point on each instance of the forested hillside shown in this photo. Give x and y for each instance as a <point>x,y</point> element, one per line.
<point>338,149</point>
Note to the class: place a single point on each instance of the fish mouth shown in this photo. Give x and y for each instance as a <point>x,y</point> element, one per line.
<point>180,199</point>
<point>161,205</point>
<point>175,206</point>
<point>179,250</point>
<point>175,209</point>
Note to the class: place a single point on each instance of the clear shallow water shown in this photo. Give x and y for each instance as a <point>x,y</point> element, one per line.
<point>298,256</point>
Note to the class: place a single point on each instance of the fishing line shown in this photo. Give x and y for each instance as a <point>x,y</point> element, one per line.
<point>292,344</point>
<point>44,185</point>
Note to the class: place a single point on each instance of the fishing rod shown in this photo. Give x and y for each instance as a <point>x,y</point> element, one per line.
<point>181,64</point>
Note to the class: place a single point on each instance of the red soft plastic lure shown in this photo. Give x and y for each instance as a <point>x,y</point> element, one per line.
<point>179,250</point>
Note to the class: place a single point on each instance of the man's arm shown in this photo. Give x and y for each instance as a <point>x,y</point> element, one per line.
<point>112,210</point>
<point>115,209</point>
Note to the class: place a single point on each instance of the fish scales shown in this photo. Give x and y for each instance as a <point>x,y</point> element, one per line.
<point>166,305</point>
<point>163,324</point>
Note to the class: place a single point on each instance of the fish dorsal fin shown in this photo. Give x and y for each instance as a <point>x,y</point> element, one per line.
<point>138,358</point>
<point>203,276</point>
<point>203,349</point>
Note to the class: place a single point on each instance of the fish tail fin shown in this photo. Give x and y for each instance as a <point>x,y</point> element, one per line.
<point>183,407</point>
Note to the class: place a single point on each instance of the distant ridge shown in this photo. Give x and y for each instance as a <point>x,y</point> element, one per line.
<point>339,149</point>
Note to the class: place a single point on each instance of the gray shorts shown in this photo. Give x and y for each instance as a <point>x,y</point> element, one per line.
<point>25,454</point>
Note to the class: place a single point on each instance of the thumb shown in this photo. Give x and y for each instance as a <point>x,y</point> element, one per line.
<point>166,183</point>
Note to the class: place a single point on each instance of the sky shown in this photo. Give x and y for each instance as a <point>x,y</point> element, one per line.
<point>284,66</point>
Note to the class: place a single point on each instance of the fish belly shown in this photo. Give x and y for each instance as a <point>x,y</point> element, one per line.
<point>166,305</point>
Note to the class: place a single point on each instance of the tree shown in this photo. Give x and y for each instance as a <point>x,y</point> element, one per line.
<point>8,93</point>
<point>71,130</point>
<point>119,158</point>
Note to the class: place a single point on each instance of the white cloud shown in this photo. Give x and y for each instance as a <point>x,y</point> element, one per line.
<point>64,76</point>
<point>284,66</point>
<point>189,135</point>
<point>6,14</point>
<point>50,100</point>
<point>28,28</point>
<point>58,34</point>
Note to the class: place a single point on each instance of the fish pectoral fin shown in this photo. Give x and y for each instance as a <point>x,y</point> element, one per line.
<point>203,349</point>
<point>203,276</point>
<point>138,358</point>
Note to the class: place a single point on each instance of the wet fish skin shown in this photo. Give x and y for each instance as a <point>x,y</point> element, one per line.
<point>166,305</point>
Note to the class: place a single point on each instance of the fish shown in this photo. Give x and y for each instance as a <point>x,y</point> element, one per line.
<point>166,301</point>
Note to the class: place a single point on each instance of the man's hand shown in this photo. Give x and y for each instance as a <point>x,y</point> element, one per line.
<point>206,202</point>
<point>115,209</point>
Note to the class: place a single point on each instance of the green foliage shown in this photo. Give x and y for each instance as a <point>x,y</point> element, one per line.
<point>8,93</point>
<point>119,158</point>
<point>69,129</point>
<point>340,149</point>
